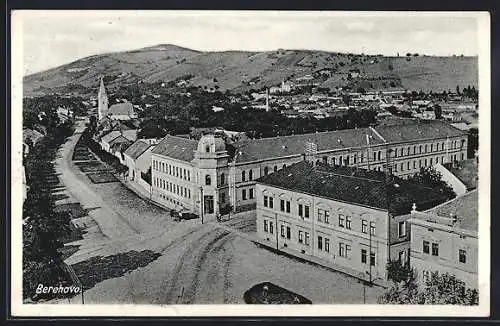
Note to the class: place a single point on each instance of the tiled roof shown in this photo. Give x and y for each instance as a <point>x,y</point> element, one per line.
<point>357,186</point>
<point>137,148</point>
<point>121,109</point>
<point>259,149</point>
<point>466,171</point>
<point>407,130</point>
<point>120,145</point>
<point>130,134</point>
<point>465,207</point>
<point>118,140</point>
<point>420,129</point>
<point>176,147</point>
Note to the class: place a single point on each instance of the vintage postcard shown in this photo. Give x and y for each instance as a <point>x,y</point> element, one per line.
<point>237,163</point>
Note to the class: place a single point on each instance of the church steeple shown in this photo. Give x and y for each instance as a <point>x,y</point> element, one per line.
<point>102,98</point>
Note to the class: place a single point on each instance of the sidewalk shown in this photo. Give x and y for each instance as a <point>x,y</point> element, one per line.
<point>299,256</point>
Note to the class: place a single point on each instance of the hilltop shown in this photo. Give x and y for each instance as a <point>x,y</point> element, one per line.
<point>240,71</point>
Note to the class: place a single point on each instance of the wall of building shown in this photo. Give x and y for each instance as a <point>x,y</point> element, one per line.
<point>174,183</point>
<point>447,260</point>
<point>339,232</point>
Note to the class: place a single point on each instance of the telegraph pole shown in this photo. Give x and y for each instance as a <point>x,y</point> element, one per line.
<point>201,204</point>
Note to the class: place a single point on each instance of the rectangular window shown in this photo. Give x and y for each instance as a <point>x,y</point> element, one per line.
<point>435,249</point>
<point>320,215</point>
<point>462,256</point>
<point>266,200</point>
<point>250,175</point>
<point>271,227</point>
<point>288,232</point>
<point>301,208</point>
<point>327,245</point>
<point>288,206</point>
<point>414,164</point>
<point>320,242</point>
<point>341,220</point>
<point>402,229</point>
<point>301,237</point>
<point>363,256</point>
<point>189,176</point>
<point>402,257</point>
<point>408,165</point>
<point>306,238</point>
<point>348,222</point>
<point>402,167</point>
<point>347,251</point>
<point>372,258</point>
<point>327,217</point>
<point>372,228</point>
<point>282,205</point>
<point>306,211</point>
<point>364,226</point>
<point>271,202</point>
<point>282,229</point>
<point>341,250</point>
<point>250,193</point>
<point>266,227</point>
<point>243,194</point>
<point>425,247</point>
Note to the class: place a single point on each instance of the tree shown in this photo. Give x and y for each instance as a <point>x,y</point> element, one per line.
<point>431,178</point>
<point>438,111</point>
<point>458,90</point>
<point>438,289</point>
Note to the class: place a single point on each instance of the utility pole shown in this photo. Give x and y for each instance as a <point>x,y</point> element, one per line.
<point>370,260</point>
<point>201,203</point>
<point>276,221</point>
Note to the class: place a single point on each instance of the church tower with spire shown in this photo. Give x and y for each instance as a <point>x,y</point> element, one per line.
<point>102,100</point>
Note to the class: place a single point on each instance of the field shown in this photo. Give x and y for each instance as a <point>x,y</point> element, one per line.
<point>102,177</point>
<point>241,71</point>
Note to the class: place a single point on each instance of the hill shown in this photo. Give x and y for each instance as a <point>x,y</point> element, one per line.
<point>241,71</point>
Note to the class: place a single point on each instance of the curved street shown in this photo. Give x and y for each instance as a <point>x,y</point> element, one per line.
<point>198,263</point>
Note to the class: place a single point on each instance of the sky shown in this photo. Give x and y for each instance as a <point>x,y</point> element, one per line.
<point>53,38</point>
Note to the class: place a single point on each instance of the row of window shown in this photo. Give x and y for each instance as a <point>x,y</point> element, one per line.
<point>377,155</point>
<point>172,170</point>
<point>172,187</point>
<point>323,216</point>
<point>244,194</point>
<point>426,248</point>
<point>323,243</point>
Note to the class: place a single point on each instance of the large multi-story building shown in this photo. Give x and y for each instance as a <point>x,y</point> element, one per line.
<point>353,218</point>
<point>226,173</point>
<point>444,239</point>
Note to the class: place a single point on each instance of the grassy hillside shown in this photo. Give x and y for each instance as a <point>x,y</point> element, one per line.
<point>240,71</point>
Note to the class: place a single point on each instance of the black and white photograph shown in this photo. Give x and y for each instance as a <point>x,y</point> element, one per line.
<point>239,163</point>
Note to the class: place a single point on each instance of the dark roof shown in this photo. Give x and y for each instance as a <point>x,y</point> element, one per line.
<point>420,129</point>
<point>357,186</point>
<point>466,171</point>
<point>407,130</point>
<point>137,148</point>
<point>121,146</point>
<point>259,149</point>
<point>465,207</point>
<point>118,140</point>
<point>176,147</point>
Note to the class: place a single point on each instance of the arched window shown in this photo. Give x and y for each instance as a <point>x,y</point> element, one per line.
<point>325,160</point>
<point>340,160</point>
<point>425,148</point>
<point>347,160</point>
<point>414,150</point>
<point>250,174</point>
<point>275,168</point>
<point>208,180</point>
<point>207,148</point>
<point>408,150</point>
<point>284,166</point>
<point>402,152</point>
<point>333,160</point>
<point>396,152</point>
<point>355,158</point>
<point>243,175</point>
<point>222,179</point>
<point>442,146</point>
<point>420,149</point>
<point>266,170</point>
<point>379,155</point>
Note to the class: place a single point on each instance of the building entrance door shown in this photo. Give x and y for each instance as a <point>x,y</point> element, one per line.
<point>208,204</point>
